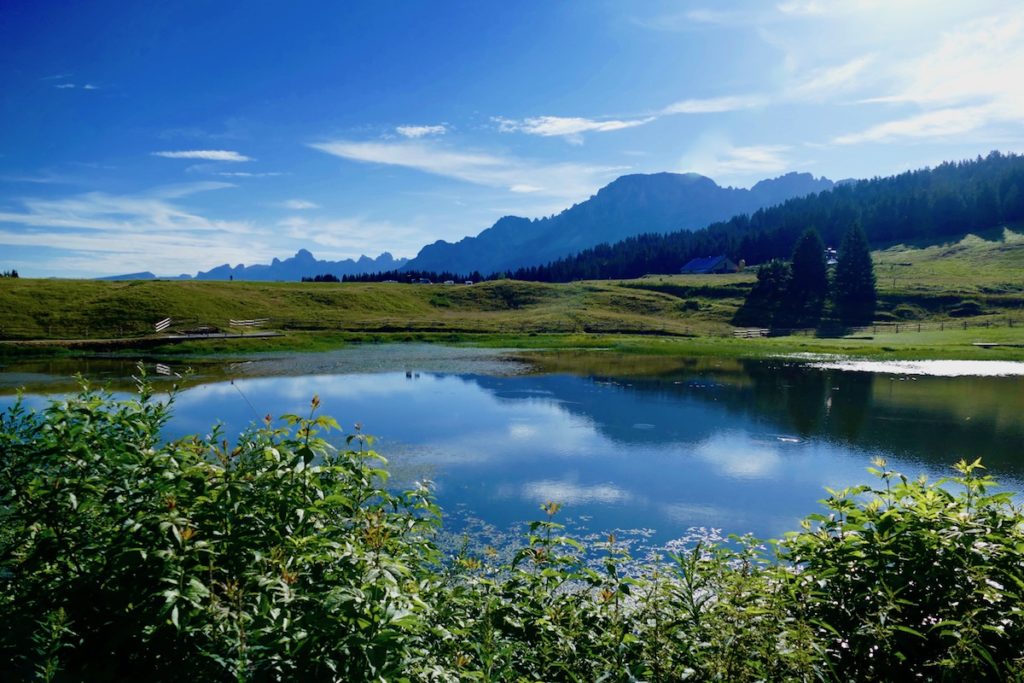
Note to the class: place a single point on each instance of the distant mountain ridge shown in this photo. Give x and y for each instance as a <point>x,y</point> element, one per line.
<point>303,264</point>
<point>628,206</point>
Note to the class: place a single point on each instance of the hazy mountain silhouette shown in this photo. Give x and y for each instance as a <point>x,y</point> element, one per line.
<point>303,264</point>
<point>629,205</point>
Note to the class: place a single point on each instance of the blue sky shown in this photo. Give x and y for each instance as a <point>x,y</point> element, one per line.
<point>174,137</point>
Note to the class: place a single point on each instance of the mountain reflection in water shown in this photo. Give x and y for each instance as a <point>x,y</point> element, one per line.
<point>657,444</point>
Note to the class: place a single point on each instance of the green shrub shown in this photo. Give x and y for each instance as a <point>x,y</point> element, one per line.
<point>915,580</point>
<point>277,558</point>
<point>125,557</point>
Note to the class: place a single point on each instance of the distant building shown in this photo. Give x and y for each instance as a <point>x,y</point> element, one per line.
<point>710,264</point>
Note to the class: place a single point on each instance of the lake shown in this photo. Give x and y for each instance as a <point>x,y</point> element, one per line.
<point>647,446</point>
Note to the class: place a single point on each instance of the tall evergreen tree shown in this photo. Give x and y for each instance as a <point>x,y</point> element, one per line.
<point>766,304</point>
<point>808,284</point>
<point>854,285</point>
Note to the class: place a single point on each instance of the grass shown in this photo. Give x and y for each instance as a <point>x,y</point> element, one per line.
<point>924,279</point>
<point>977,276</point>
<point>55,309</point>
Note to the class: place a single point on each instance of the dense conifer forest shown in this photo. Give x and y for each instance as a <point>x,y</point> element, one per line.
<point>949,200</point>
<point>946,201</point>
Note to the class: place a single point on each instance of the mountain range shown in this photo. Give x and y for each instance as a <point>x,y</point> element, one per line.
<point>628,206</point>
<point>303,264</point>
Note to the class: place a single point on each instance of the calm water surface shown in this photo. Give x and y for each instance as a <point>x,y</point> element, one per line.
<point>651,445</point>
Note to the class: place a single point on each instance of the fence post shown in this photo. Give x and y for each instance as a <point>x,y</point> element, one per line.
<point>965,324</point>
<point>897,328</point>
<point>919,327</point>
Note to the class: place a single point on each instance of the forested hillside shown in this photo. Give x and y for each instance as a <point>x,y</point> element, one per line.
<point>630,205</point>
<point>949,200</point>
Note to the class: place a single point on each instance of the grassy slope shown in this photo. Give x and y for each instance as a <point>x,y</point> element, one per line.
<point>90,309</point>
<point>930,280</point>
<point>987,268</point>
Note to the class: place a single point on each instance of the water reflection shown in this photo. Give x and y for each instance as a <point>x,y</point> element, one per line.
<point>747,446</point>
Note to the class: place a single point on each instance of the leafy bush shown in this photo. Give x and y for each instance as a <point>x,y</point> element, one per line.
<point>915,580</point>
<point>281,558</point>
<point>278,558</point>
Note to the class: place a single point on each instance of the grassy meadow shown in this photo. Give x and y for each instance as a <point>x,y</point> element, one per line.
<point>952,290</point>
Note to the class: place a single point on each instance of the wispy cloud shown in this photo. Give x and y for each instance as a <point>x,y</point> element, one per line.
<point>72,86</point>
<point>932,124</point>
<point>812,86</point>
<point>101,232</point>
<point>718,159</point>
<point>970,81</point>
<point>416,132</point>
<point>349,237</point>
<point>566,180</point>
<point>714,105</point>
<point>699,18</point>
<point>248,174</point>
<point>568,126</point>
<point>829,80</point>
<point>818,8</point>
<point>205,154</point>
<point>299,204</point>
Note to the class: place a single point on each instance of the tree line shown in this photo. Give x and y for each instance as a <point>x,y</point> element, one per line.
<point>801,292</point>
<point>417,275</point>
<point>949,200</point>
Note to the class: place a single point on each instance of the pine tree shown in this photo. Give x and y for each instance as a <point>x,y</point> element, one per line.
<point>854,286</point>
<point>808,285</point>
<point>766,303</point>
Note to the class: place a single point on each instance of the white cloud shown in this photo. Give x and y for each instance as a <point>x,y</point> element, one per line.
<point>421,131</point>
<point>72,86</point>
<point>248,174</point>
<point>98,233</point>
<point>828,80</point>
<point>971,80</point>
<point>552,126</point>
<point>718,160</point>
<point>932,124</point>
<point>699,18</point>
<point>801,7</point>
<point>714,105</point>
<point>299,204</point>
<point>820,8</point>
<point>815,85</point>
<point>205,154</point>
<point>348,237</point>
<point>566,180</point>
